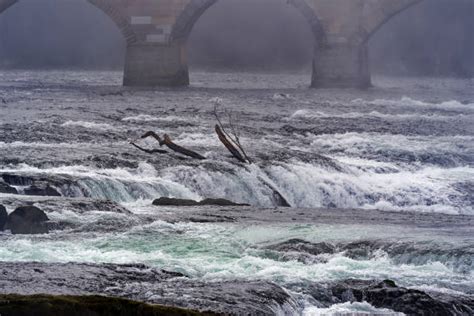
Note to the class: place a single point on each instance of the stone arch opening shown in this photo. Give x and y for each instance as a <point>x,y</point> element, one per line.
<point>294,23</point>
<point>425,38</point>
<point>62,34</point>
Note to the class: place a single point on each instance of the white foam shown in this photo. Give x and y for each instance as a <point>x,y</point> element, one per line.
<point>311,114</point>
<point>119,184</point>
<point>363,144</point>
<point>409,102</point>
<point>149,118</point>
<point>89,125</point>
<point>429,189</point>
<point>21,144</point>
<point>424,189</point>
<point>217,252</point>
<point>349,309</point>
<point>281,96</point>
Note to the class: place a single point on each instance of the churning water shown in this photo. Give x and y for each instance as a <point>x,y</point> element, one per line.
<point>406,146</point>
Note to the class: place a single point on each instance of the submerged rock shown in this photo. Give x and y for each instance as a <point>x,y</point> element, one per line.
<point>387,294</point>
<point>36,185</point>
<point>299,245</point>
<point>28,220</point>
<point>6,188</point>
<point>41,189</point>
<point>165,201</point>
<point>3,217</point>
<point>16,305</point>
<point>145,284</point>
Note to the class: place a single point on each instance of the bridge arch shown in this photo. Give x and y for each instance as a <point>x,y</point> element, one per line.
<point>196,8</point>
<point>111,8</point>
<point>69,35</point>
<point>376,20</point>
<point>115,12</point>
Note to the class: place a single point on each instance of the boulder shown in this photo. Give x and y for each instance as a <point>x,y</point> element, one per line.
<point>165,201</point>
<point>387,294</point>
<point>6,188</point>
<point>28,220</point>
<point>3,217</point>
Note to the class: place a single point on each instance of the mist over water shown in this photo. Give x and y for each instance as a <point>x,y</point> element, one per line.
<point>434,38</point>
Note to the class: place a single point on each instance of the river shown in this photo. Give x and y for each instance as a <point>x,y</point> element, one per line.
<point>380,183</point>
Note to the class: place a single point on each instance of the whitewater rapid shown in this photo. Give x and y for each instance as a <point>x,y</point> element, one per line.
<point>385,178</point>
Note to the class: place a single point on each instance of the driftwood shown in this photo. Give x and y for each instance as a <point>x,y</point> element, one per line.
<point>149,151</point>
<point>154,135</point>
<point>234,151</point>
<point>166,141</point>
<point>169,143</point>
<point>231,142</point>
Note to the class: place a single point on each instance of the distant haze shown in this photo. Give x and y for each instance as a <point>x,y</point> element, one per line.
<point>434,38</point>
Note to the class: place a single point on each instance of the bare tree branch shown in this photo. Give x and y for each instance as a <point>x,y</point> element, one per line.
<point>149,151</point>
<point>234,151</point>
<point>231,142</point>
<point>154,135</point>
<point>169,143</point>
<point>166,141</point>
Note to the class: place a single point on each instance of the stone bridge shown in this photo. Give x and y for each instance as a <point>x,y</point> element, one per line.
<point>156,32</point>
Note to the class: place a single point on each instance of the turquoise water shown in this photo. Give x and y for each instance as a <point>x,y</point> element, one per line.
<point>229,251</point>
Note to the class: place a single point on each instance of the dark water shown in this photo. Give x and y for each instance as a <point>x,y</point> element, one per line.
<point>381,182</point>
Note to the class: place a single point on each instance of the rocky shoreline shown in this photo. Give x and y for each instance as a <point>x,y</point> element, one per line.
<point>238,297</point>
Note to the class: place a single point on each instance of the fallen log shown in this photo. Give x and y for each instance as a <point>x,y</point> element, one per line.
<point>154,135</point>
<point>231,143</point>
<point>149,151</point>
<point>224,140</point>
<point>174,147</point>
<point>166,141</point>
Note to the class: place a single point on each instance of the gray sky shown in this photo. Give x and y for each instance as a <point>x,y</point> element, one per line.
<point>433,38</point>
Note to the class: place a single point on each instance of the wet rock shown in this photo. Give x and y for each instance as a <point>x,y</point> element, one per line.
<point>3,217</point>
<point>37,185</point>
<point>28,220</point>
<point>6,188</point>
<point>299,245</point>
<point>457,257</point>
<point>113,216</point>
<point>302,251</point>
<point>14,179</point>
<point>145,284</point>
<point>16,305</point>
<point>41,189</point>
<point>387,294</point>
<point>221,202</point>
<point>165,201</point>
<point>83,206</point>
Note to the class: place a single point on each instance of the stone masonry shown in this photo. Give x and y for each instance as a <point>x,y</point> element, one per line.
<point>156,32</point>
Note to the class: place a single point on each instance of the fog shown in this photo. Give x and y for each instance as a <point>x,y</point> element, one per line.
<point>434,38</point>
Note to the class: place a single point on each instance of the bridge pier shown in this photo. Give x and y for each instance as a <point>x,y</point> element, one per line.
<point>150,65</point>
<point>341,65</point>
